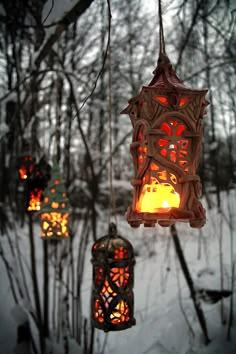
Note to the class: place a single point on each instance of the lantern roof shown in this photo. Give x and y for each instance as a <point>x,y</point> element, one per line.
<point>112,246</point>
<point>165,76</point>
<point>165,80</point>
<point>55,197</point>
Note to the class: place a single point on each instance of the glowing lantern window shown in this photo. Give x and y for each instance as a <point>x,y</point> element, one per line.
<point>54,213</point>
<point>183,101</point>
<point>26,166</point>
<point>158,197</point>
<point>141,149</point>
<point>112,295</point>
<point>173,132</point>
<point>162,99</point>
<point>35,197</point>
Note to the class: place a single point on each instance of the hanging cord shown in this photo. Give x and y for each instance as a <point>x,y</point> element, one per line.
<point>161,31</point>
<point>112,209</point>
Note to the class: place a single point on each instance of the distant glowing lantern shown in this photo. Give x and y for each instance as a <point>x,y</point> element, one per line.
<point>166,148</point>
<point>26,163</point>
<point>113,277</point>
<point>54,212</point>
<point>36,183</point>
<point>35,197</point>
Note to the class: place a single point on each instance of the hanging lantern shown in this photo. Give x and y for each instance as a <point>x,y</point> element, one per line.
<point>166,148</point>
<point>36,184</point>
<point>55,213</point>
<point>26,163</point>
<point>35,197</point>
<point>113,277</point>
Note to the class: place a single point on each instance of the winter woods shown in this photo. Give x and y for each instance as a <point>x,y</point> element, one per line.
<point>54,96</point>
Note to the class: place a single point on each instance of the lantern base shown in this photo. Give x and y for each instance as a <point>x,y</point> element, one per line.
<point>54,238</point>
<point>108,327</point>
<point>135,219</point>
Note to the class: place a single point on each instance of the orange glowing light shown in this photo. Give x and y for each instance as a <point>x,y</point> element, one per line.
<point>107,293</point>
<point>158,197</point>
<point>54,224</point>
<point>140,160</point>
<point>162,99</point>
<point>98,314</point>
<point>22,172</point>
<point>46,200</point>
<point>183,101</point>
<point>120,276</point>
<point>120,313</point>
<point>55,205</point>
<point>121,253</point>
<point>35,200</point>
<point>153,167</point>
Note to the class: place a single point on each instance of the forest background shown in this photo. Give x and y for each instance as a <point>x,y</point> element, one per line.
<point>54,94</point>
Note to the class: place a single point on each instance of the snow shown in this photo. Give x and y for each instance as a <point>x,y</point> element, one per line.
<point>214,145</point>
<point>7,323</point>
<point>19,314</point>
<point>59,9</point>
<point>162,298</point>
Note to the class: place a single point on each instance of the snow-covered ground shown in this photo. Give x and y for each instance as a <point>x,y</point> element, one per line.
<point>166,321</point>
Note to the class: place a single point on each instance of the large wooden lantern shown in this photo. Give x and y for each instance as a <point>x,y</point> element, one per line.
<point>112,295</point>
<point>166,148</point>
<point>55,208</point>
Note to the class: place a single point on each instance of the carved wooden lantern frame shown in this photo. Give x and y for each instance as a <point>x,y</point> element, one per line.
<point>167,118</point>
<point>112,301</point>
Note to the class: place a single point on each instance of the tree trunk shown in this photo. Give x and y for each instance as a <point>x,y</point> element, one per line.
<point>196,303</point>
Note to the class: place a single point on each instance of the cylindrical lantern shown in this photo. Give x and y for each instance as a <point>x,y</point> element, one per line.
<point>55,208</point>
<point>113,278</point>
<point>166,148</point>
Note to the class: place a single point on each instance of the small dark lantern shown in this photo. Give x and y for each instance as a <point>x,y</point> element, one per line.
<point>113,278</point>
<point>36,184</point>
<point>26,162</point>
<point>167,118</point>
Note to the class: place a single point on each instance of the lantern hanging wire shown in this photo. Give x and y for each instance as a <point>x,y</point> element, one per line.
<point>161,32</point>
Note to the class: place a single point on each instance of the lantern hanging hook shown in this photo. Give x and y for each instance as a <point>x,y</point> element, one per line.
<point>161,31</point>
<point>112,229</point>
<point>162,52</point>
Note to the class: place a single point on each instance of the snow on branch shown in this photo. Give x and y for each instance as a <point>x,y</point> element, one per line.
<point>71,16</point>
